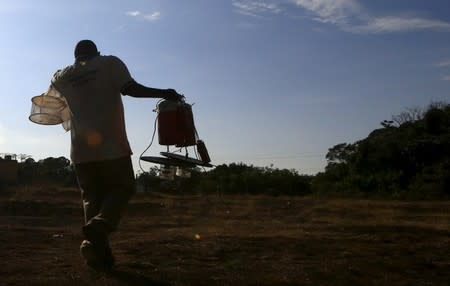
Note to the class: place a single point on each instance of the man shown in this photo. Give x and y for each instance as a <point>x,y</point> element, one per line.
<point>92,88</point>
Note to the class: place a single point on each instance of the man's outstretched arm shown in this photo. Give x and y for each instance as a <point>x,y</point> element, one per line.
<point>135,89</point>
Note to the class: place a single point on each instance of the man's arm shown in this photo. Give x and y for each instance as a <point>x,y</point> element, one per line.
<point>135,89</point>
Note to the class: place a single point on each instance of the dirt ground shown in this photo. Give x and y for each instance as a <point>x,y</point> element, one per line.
<point>229,240</point>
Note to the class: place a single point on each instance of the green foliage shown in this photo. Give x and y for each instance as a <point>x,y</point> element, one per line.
<point>408,157</point>
<point>235,179</point>
<point>49,170</point>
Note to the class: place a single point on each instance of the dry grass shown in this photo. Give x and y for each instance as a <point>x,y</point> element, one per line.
<point>244,240</point>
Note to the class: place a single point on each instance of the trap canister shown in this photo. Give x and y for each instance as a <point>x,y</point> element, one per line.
<point>46,110</point>
<point>175,124</point>
<point>50,108</point>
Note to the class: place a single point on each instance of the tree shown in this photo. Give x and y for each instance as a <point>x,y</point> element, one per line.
<point>56,170</point>
<point>340,153</point>
<point>411,114</point>
<point>409,157</point>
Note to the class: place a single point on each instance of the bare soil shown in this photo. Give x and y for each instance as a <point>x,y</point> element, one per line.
<point>229,240</point>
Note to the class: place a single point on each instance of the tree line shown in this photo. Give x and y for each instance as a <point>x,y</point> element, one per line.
<point>234,178</point>
<point>47,171</point>
<point>408,156</point>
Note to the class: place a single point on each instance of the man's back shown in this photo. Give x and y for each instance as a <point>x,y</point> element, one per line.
<point>92,91</point>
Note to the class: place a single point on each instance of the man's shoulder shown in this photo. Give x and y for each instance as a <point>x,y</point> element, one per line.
<point>111,59</point>
<point>70,71</point>
<point>62,73</point>
<point>105,61</point>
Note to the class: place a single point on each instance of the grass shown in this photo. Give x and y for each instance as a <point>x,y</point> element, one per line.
<point>244,240</point>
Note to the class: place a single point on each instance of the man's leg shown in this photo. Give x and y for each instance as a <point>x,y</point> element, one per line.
<point>119,184</point>
<point>90,190</point>
<point>116,180</point>
<point>95,247</point>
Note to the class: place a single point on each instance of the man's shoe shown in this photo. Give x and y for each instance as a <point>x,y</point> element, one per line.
<point>87,251</point>
<point>100,260</point>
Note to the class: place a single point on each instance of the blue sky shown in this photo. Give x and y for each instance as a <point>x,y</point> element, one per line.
<point>273,82</point>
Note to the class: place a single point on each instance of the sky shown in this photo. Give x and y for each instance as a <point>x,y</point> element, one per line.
<point>273,83</point>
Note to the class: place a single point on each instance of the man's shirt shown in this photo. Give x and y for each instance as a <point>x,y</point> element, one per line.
<point>92,91</point>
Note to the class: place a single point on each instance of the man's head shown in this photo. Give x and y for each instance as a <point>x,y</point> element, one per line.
<point>85,50</point>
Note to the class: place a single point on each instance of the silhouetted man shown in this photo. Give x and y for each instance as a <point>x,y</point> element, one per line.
<point>92,87</point>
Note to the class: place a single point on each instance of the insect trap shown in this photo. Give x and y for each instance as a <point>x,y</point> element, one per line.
<point>175,126</point>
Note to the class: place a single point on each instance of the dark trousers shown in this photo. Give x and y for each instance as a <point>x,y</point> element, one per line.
<point>106,187</point>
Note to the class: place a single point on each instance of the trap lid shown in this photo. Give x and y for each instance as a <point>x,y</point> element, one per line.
<point>48,101</point>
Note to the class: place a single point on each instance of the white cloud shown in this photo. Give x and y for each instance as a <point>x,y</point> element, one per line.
<point>347,15</point>
<point>152,17</point>
<point>133,13</point>
<point>331,11</point>
<point>256,8</point>
<point>400,24</point>
<point>148,17</point>
<point>442,64</point>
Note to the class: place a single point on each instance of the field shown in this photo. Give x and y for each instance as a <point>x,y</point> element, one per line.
<point>229,240</point>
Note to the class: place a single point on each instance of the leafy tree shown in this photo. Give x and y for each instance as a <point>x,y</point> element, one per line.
<point>340,153</point>
<point>410,153</point>
<point>50,170</point>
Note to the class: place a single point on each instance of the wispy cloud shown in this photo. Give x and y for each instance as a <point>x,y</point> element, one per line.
<point>153,16</point>
<point>347,15</point>
<point>337,12</point>
<point>133,13</point>
<point>146,16</point>
<point>350,16</point>
<point>442,64</point>
<point>256,8</point>
<point>401,24</point>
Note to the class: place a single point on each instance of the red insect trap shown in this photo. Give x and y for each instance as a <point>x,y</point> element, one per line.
<point>175,124</point>
<point>176,127</point>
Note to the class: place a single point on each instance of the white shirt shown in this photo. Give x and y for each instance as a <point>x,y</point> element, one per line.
<point>92,91</point>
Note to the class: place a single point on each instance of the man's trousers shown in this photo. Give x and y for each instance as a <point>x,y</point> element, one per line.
<point>106,187</point>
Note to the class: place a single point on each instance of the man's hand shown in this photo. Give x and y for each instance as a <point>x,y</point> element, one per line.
<point>171,94</point>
